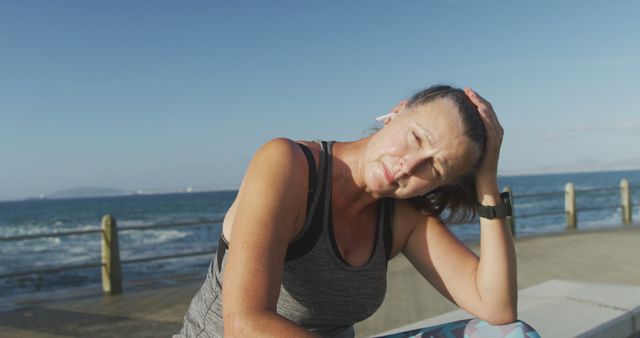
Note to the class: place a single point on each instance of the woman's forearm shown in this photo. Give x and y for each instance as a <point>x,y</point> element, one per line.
<point>266,324</point>
<point>496,274</point>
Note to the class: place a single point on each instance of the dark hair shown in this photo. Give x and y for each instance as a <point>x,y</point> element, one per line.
<point>459,197</point>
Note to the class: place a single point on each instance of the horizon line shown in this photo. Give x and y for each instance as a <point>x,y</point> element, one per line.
<point>190,190</point>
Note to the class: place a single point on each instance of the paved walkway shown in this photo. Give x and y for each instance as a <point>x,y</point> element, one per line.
<point>156,309</point>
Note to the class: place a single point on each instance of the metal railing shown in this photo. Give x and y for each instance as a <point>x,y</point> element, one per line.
<point>571,211</point>
<point>111,262</point>
<point>110,257</point>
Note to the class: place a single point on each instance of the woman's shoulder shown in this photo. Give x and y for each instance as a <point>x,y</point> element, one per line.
<point>283,153</point>
<point>273,188</point>
<point>286,154</point>
<point>279,147</point>
<point>405,212</point>
<point>405,219</point>
<point>278,160</point>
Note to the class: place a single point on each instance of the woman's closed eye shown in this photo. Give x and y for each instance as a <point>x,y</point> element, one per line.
<point>432,162</point>
<point>417,139</point>
<point>435,171</point>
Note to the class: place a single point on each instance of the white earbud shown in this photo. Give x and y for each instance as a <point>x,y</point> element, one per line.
<point>384,117</point>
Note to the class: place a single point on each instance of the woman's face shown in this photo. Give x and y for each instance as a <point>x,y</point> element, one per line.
<point>418,150</point>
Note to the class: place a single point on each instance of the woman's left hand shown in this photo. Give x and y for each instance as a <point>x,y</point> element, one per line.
<point>488,169</point>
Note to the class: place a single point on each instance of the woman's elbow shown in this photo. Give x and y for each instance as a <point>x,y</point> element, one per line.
<point>501,313</point>
<point>500,316</point>
<point>235,325</point>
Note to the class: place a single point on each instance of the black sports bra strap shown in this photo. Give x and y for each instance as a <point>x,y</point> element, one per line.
<point>309,236</point>
<point>312,174</point>
<point>223,246</point>
<point>387,224</point>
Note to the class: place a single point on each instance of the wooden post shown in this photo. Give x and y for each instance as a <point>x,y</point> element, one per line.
<point>625,201</point>
<point>511,220</point>
<point>111,275</point>
<point>570,206</point>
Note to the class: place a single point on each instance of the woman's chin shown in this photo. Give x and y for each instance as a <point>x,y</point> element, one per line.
<point>380,187</point>
<point>386,190</point>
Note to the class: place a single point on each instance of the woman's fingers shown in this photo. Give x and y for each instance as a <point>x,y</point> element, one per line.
<point>494,132</point>
<point>492,121</point>
<point>493,129</point>
<point>477,99</point>
<point>486,112</point>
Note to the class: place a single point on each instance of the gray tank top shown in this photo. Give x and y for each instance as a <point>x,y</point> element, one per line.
<point>320,291</point>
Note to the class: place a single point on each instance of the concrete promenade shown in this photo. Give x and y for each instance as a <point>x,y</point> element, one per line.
<point>154,309</point>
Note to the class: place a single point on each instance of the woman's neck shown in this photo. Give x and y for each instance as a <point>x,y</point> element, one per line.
<point>349,192</point>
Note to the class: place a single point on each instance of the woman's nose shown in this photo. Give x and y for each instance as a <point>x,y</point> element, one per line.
<point>409,164</point>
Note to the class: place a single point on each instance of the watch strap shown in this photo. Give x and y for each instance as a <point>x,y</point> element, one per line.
<point>496,211</point>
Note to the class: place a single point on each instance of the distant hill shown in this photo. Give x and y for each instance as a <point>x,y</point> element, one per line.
<point>87,192</point>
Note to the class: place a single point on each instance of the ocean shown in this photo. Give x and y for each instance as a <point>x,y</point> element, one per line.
<point>44,216</point>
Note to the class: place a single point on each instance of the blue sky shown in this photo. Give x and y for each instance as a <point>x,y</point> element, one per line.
<point>167,94</point>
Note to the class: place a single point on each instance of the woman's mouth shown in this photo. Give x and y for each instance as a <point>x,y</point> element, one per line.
<point>388,175</point>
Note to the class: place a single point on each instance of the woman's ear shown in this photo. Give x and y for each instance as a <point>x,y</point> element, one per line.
<point>400,107</point>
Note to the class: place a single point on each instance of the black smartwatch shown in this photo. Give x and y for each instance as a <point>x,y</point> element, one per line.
<point>496,211</point>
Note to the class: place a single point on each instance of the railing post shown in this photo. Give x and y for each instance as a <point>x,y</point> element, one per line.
<point>570,206</point>
<point>625,201</point>
<point>111,275</point>
<point>511,220</point>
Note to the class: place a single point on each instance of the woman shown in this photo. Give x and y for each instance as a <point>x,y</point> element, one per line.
<point>305,245</point>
